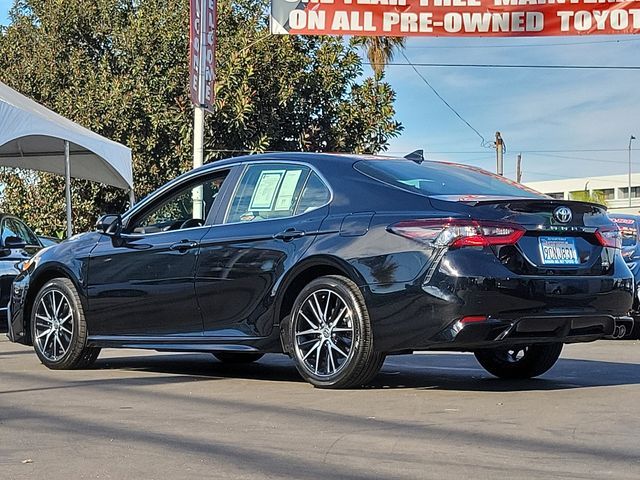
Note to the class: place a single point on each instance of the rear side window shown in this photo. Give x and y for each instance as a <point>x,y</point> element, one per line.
<point>267,191</point>
<point>314,195</point>
<point>435,178</point>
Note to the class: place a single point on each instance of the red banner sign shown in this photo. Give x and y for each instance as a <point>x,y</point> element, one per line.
<point>202,52</point>
<point>473,18</point>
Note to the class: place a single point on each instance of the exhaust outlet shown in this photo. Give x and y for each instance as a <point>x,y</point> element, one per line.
<point>622,326</point>
<point>619,332</point>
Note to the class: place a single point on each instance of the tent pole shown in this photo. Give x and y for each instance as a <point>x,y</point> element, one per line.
<point>132,198</point>
<point>67,184</point>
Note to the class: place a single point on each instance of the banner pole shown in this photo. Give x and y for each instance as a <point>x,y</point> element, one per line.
<point>67,185</point>
<point>198,158</point>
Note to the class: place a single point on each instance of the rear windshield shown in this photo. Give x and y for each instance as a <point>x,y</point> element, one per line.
<point>436,178</point>
<point>628,229</point>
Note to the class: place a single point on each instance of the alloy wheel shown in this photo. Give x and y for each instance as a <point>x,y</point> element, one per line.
<point>324,333</point>
<point>53,325</point>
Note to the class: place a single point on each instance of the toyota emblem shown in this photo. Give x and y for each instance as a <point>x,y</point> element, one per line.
<point>563,214</point>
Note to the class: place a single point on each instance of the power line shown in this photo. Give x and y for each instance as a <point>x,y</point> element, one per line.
<point>583,159</point>
<point>498,65</point>
<point>521,45</point>
<point>437,94</point>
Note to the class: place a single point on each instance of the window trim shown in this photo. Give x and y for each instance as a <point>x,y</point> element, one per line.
<point>246,166</point>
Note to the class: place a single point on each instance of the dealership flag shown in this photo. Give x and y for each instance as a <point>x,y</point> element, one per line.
<point>460,18</point>
<point>202,52</point>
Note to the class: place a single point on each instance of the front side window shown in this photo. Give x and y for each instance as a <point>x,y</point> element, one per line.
<point>188,207</point>
<point>269,191</point>
<point>12,227</point>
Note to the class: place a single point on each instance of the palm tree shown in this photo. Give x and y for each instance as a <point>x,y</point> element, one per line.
<point>380,51</point>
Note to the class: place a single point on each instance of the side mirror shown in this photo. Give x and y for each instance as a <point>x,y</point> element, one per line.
<point>14,243</point>
<point>110,225</point>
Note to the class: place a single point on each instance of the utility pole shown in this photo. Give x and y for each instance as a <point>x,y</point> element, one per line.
<point>499,154</point>
<point>519,168</point>
<point>631,139</point>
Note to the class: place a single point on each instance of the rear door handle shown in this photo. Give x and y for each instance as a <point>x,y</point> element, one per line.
<point>184,245</point>
<point>289,234</point>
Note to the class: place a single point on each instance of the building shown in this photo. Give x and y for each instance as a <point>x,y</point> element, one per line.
<point>614,188</point>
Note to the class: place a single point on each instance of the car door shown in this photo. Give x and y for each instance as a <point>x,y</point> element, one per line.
<point>142,282</point>
<point>270,220</point>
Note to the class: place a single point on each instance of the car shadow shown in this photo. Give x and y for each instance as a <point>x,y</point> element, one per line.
<point>434,371</point>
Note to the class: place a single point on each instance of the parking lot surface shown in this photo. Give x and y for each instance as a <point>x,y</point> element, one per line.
<point>144,415</point>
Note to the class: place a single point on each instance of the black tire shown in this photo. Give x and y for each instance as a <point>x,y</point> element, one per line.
<point>360,363</point>
<point>519,362</point>
<point>635,331</point>
<point>237,357</point>
<point>70,343</point>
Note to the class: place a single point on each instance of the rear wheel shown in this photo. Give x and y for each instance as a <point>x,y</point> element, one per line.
<point>59,327</point>
<point>237,357</point>
<point>635,331</point>
<point>331,340</point>
<point>519,362</point>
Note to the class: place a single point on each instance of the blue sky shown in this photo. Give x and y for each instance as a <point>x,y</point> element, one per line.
<point>583,117</point>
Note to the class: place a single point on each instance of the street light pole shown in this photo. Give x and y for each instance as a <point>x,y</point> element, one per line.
<point>499,154</point>
<point>631,139</point>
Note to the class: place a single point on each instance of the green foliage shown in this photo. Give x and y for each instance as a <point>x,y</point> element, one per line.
<point>120,68</point>
<point>595,196</point>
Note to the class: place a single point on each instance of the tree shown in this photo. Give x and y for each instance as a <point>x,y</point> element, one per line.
<point>596,196</point>
<point>120,68</point>
<point>380,51</point>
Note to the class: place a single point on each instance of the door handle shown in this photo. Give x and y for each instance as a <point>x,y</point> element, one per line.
<point>184,245</point>
<point>289,234</point>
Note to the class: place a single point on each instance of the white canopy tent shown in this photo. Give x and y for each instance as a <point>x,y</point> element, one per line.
<point>33,137</point>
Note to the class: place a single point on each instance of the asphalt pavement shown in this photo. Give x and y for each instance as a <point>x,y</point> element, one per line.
<point>148,415</point>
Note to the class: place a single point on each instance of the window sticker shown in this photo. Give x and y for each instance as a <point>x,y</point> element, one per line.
<point>265,191</point>
<point>287,190</point>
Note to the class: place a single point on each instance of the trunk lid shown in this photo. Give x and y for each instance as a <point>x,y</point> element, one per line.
<point>562,237</point>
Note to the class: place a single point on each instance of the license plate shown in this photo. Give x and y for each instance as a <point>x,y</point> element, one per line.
<point>558,251</point>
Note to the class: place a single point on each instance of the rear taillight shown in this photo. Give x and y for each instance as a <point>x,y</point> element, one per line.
<point>609,237</point>
<point>456,232</point>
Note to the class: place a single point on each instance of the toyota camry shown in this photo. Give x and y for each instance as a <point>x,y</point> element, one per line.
<point>337,261</point>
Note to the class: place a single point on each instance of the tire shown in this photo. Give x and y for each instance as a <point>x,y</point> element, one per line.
<point>635,331</point>
<point>238,358</point>
<point>59,328</point>
<point>330,336</point>
<point>519,362</point>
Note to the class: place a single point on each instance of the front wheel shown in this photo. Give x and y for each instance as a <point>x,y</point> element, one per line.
<point>59,329</point>
<point>519,362</point>
<point>330,336</point>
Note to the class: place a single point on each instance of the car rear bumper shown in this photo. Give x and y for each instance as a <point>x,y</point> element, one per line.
<point>425,314</point>
<point>494,332</point>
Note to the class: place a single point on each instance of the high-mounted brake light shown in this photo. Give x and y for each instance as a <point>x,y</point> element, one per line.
<point>457,232</point>
<point>609,237</point>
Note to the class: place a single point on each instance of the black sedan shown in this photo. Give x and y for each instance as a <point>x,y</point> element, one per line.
<point>336,260</point>
<point>629,228</point>
<point>17,244</point>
